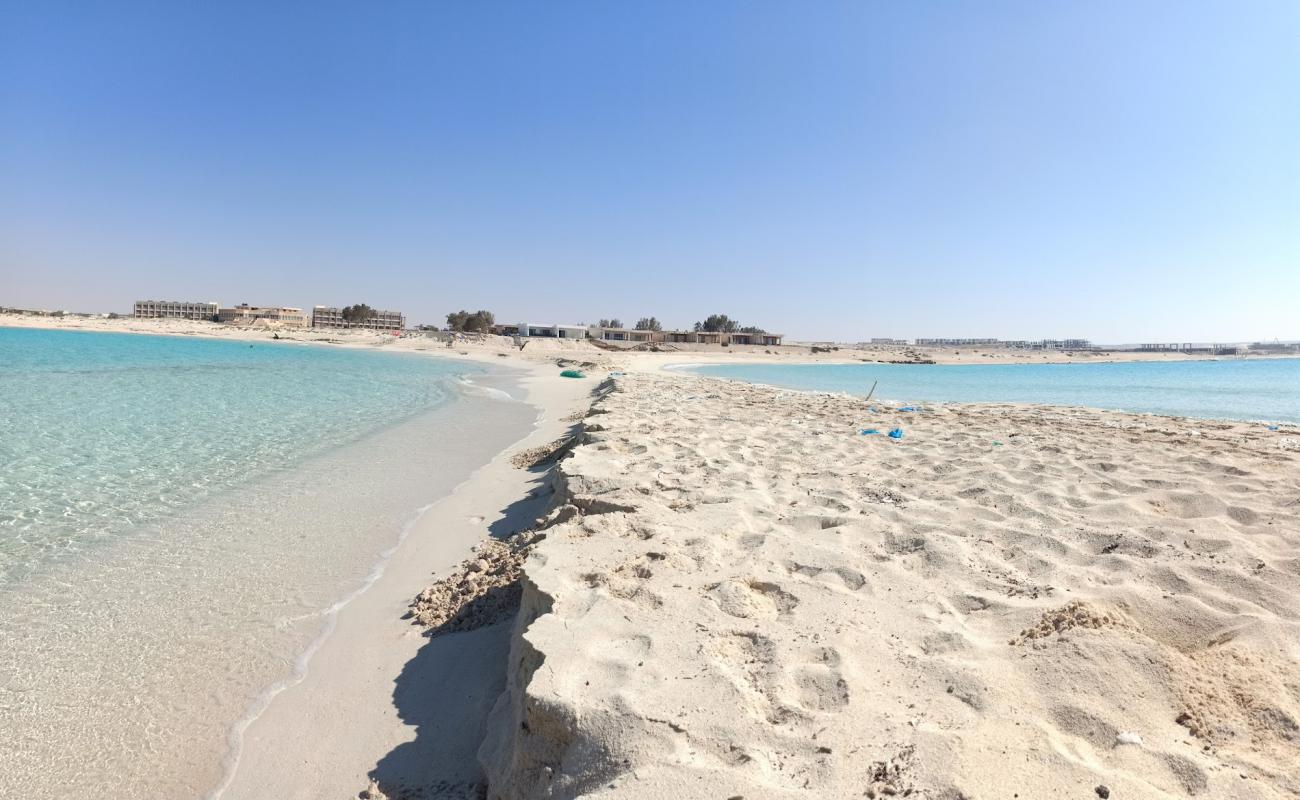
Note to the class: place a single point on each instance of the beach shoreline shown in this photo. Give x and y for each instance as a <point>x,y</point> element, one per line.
<point>217,571</point>
<point>341,722</point>
<point>490,347</point>
<point>747,596</point>
<point>723,486</point>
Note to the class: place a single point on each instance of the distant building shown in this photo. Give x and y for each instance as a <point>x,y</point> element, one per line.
<point>1188,347</point>
<point>625,335</point>
<point>885,340</point>
<point>331,317</point>
<point>686,337</point>
<point>955,342</point>
<point>175,309</point>
<point>1041,344</point>
<point>763,338</point>
<point>246,314</point>
<point>542,330</point>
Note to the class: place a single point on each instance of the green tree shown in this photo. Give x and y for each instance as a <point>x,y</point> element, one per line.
<point>358,314</point>
<point>648,324</point>
<point>718,323</point>
<point>480,321</point>
<point>751,329</point>
<point>610,323</point>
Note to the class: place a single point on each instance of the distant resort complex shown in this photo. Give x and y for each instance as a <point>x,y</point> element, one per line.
<point>277,316</point>
<point>611,334</point>
<point>636,335</point>
<point>1020,344</point>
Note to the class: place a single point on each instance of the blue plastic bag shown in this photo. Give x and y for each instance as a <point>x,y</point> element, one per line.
<point>896,433</point>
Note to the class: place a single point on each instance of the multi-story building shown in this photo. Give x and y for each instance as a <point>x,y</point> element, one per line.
<point>331,317</point>
<point>246,314</point>
<point>175,309</point>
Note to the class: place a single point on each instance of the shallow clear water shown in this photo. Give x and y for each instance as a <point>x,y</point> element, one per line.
<point>104,432</point>
<point>178,520</point>
<point>1264,389</point>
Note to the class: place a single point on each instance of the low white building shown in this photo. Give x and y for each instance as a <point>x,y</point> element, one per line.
<point>549,331</point>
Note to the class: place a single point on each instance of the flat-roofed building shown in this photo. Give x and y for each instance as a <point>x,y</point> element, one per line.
<point>955,342</point>
<point>761,338</point>
<point>542,330</point>
<point>332,317</point>
<point>246,314</point>
<point>626,335</point>
<point>686,337</point>
<point>175,309</point>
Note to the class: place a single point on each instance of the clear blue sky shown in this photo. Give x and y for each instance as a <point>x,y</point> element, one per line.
<point>1117,170</point>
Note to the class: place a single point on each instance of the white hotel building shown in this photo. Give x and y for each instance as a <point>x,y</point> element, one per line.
<point>175,309</point>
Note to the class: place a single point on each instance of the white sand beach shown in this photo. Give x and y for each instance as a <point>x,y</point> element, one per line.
<point>650,401</point>
<point>729,591</point>
<point>378,696</point>
<point>749,598</point>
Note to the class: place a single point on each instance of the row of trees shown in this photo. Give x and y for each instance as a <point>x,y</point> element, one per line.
<point>721,323</point>
<point>358,314</point>
<point>643,324</point>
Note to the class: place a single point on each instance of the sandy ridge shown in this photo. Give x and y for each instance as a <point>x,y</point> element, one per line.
<point>750,598</point>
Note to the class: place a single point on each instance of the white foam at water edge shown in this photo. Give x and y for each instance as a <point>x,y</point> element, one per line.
<point>487,391</point>
<point>329,616</point>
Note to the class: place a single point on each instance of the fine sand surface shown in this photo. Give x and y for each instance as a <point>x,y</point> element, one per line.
<point>730,592</point>
<point>745,597</point>
<point>379,697</point>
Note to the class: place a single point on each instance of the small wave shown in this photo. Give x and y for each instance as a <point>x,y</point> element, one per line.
<point>486,391</point>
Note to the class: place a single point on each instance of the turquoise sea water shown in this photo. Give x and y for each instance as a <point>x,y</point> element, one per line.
<point>1263,389</point>
<point>180,519</point>
<point>105,432</point>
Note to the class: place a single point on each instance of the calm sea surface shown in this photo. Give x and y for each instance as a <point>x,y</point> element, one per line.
<point>1264,389</point>
<point>179,519</point>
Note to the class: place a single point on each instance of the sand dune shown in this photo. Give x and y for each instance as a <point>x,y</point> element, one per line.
<point>753,599</point>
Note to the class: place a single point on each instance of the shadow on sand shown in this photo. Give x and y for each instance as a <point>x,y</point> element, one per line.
<point>446,691</point>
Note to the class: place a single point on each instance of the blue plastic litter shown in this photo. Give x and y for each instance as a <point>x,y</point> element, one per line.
<point>1272,427</point>
<point>868,431</point>
<point>909,408</point>
<point>896,433</point>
